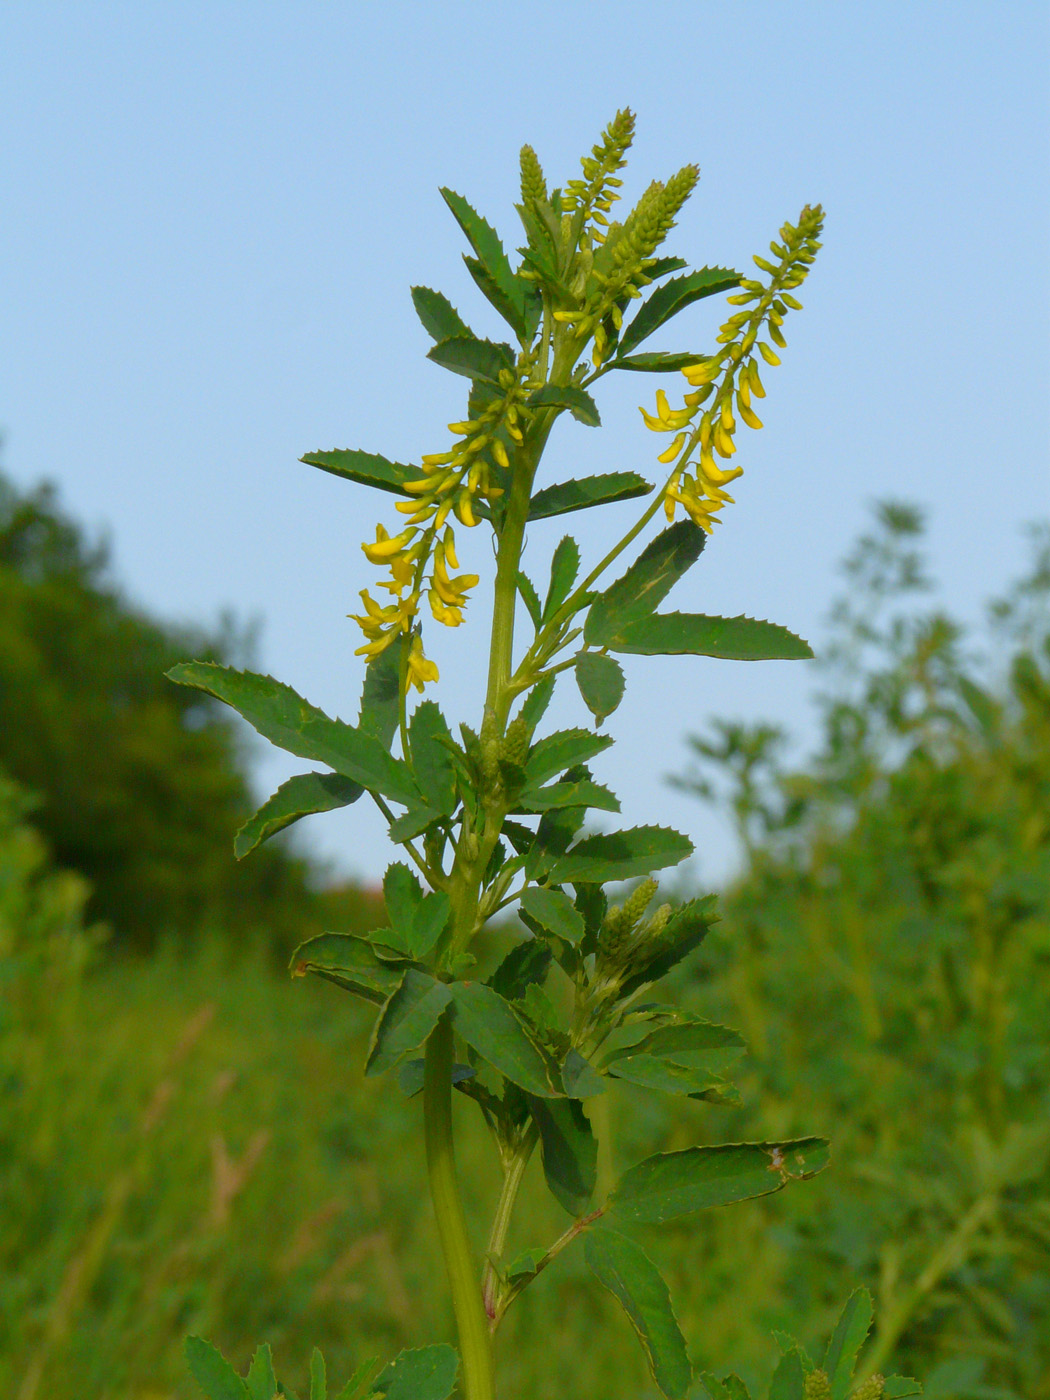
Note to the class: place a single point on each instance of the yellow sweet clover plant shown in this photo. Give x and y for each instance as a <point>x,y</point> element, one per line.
<point>495,817</point>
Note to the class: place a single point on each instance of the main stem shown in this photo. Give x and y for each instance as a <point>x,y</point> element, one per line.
<point>475,1343</point>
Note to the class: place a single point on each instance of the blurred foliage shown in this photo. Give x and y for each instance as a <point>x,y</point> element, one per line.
<point>886,951</point>
<point>141,784</point>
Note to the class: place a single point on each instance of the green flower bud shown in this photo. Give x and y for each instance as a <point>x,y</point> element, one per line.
<point>516,742</point>
<point>817,1386</point>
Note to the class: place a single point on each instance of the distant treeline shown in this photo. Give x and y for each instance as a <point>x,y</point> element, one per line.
<point>139,784</point>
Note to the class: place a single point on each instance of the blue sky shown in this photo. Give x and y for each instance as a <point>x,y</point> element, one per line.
<point>212,214</point>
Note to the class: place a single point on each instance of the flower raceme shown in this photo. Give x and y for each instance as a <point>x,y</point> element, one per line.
<point>731,377</point>
<point>450,484</point>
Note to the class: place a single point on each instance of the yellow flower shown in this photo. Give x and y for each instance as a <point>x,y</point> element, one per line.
<point>420,670</point>
<point>385,546</point>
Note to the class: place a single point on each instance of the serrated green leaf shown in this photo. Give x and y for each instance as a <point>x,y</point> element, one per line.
<point>493,1028</point>
<point>585,492</point>
<point>660,267</point>
<point>562,750</point>
<point>530,599</point>
<point>673,1184</point>
<point>301,796</point>
<point>380,696</point>
<point>411,1013</point>
<point>620,855</point>
<point>511,293</point>
<point>568,1149</point>
<point>261,1380</point>
<point>354,1388</point>
<point>212,1372</point>
<point>526,964</point>
<point>849,1335</point>
<point>430,922</point>
<point>640,591</point>
<point>716,1389</point>
<point>476,359</point>
<point>675,296</point>
<point>570,396</point>
<point>729,638</point>
<point>431,745</point>
<point>428,1373</point>
<point>318,1377</point>
<point>898,1387</point>
<point>535,704</point>
<point>441,320</point>
<point>554,911</point>
<point>348,961</point>
<point>789,1379</point>
<point>656,361</point>
<point>402,894</point>
<point>366,468</point>
<point>565,565</point>
<point>290,722</point>
<point>624,1268</point>
<point>601,683</point>
<point>517,302</point>
<point>558,795</point>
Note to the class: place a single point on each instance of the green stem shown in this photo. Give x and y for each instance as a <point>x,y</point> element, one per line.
<point>562,1242</point>
<point>475,1344</point>
<point>512,1179</point>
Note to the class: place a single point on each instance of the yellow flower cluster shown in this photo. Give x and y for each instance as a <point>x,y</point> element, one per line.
<point>699,486</point>
<point>450,484</point>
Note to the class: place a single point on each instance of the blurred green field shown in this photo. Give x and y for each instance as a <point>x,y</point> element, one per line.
<point>187,1143</point>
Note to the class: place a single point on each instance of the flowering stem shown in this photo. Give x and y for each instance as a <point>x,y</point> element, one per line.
<point>475,1344</point>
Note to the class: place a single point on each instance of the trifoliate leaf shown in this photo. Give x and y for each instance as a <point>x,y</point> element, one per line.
<point>581,794</point>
